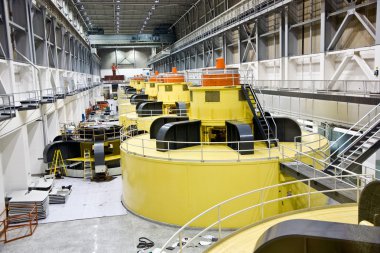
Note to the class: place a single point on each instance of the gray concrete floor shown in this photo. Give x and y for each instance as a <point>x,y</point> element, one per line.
<point>107,234</point>
<point>91,221</point>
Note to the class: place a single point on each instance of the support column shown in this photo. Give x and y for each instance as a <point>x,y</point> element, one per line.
<point>16,169</point>
<point>377,47</point>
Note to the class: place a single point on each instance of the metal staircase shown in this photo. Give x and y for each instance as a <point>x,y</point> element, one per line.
<point>263,130</point>
<point>359,146</point>
<point>7,107</point>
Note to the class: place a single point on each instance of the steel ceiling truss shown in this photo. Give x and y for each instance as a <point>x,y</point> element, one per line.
<point>271,30</point>
<point>32,34</point>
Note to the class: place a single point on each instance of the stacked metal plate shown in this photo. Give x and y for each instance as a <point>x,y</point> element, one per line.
<point>22,202</point>
<point>41,184</point>
<point>59,195</point>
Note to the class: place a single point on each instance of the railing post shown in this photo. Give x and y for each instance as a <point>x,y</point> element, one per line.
<point>180,241</point>
<point>219,225</point>
<point>142,140</point>
<point>357,189</point>
<point>282,152</point>
<point>262,204</point>
<point>201,151</point>
<point>309,194</point>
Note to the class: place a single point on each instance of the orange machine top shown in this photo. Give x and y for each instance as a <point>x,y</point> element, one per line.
<point>220,75</point>
<point>174,77</point>
<point>156,77</point>
<point>139,77</point>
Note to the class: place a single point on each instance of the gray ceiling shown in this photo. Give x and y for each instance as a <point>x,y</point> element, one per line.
<point>132,13</point>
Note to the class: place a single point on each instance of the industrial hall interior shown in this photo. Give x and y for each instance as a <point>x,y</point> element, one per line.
<point>218,126</point>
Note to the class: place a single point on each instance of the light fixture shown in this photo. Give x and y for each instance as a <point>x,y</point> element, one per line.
<point>117,22</point>
<point>117,17</point>
<point>117,13</point>
<point>156,1</point>
<point>117,1</point>
<point>117,7</point>
<point>153,7</point>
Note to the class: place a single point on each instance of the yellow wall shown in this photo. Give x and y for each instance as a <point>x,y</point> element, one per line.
<point>151,89</point>
<point>216,113</point>
<point>174,192</point>
<point>179,93</point>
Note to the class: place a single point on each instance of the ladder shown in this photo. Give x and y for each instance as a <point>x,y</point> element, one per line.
<point>57,164</point>
<point>87,170</point>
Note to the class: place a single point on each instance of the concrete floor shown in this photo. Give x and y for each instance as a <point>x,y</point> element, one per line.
<point>94,220</point>
<point>107,234</point>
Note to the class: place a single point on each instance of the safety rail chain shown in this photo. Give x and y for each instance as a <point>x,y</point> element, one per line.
<point>145,149</point>
<point>259,206</point>
<point>365,123</point>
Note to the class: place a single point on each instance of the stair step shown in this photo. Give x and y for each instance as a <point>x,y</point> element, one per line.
<point>358,152</point>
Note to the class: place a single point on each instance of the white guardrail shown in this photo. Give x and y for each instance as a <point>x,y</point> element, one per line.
<point>259,205</point>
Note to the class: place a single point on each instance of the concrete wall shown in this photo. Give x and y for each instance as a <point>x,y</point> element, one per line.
<point>23,138</point>
<point>125,58</point>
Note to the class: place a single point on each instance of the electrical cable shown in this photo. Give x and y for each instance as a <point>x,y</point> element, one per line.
<point>145,243</point>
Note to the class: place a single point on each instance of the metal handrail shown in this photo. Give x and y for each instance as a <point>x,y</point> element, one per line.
<point>7,104</point>
<point>299,86</point>
<point>126,134</point>
<point>299,154</point>
<point>245,75</point>
<point>274,122</point>
<point>367,131</point>
<point>259,205</point>
<point>358,148</point>
<point>354,126</point>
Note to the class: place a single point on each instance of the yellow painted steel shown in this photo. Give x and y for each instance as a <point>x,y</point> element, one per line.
<point>142,123</point>
<point>169,93</point>
<point>160,187</point>
<point>151,89</point>
<point>57,164</point>
<point>175,192</point>
<point>244,241</point>
<point>92,159</point>
<point>228,104</point>
<point>139,86</point>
